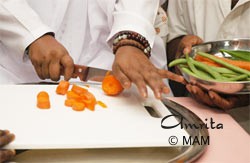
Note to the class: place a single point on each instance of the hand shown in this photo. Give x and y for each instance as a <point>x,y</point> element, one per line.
<point>131,65</point>
<point>49,58</point>
<point>5,138</point>
<point>186,43</point>
<point>213,99</point>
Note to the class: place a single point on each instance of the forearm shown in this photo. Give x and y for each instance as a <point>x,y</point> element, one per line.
<point>128,16</point>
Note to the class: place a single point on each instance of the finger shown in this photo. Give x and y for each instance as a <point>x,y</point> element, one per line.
<point>5,139</point>
<point>124,80</point>
<point>6,155</point>
<point>187,49</point>
<point>200,95</point>
<point>54,70</point>
<point>155,82</point>
<point>68,65</point>
<point>172,76</point>
<point>45,70</point>
<point>4,132</point>
<point>221,102</point>
<point>140,83</point>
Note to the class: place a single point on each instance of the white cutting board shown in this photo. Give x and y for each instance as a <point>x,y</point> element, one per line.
<point>125,123</point>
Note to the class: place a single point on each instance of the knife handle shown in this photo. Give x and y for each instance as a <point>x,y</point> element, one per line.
<point>79,71</point>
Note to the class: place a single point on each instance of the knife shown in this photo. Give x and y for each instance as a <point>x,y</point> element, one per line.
<point>85,73</point>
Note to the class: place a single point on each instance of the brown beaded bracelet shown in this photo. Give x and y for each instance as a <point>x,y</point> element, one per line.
<point>129,35</point>
<point>126,42</point>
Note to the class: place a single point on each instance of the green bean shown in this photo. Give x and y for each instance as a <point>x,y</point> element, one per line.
<point>236,78</point>
<point>177,62</point>
<point>199,73</point>
<point>239,54</point>
<point>207,68</point>
<point>189,72</point>
<point>229,75</point>
<point>223,70</point>
<point>230,66</point>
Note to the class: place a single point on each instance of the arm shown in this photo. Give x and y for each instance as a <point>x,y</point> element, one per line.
<point>21,28</point>
<point>131,65</point>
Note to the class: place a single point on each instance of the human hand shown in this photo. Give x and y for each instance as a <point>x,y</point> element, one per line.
<point>131,65</point>
<point>5,138</point>
<point>49,57</point>
<point>214,99</point>
<point>186,43</point>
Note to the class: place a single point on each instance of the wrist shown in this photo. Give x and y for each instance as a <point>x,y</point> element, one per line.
<point>129,38</point>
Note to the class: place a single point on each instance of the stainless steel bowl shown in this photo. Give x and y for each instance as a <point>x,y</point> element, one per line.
<point>239,87</point>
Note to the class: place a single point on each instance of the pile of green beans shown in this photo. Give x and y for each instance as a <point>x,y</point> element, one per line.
<point>227,73</point>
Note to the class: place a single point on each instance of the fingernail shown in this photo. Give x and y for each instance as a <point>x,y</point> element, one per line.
<point>126,85</point>
<point>158,95</point>
<point>144,93</point>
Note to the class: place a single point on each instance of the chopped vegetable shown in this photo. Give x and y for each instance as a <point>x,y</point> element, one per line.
<point>62,87</point>
<point>78,90</point>
<point>43,101</point>
<point>111,86</point>
<point>224,62</point>
<point>101,104</point>
<point>78,106</point>
<point>238,54</point>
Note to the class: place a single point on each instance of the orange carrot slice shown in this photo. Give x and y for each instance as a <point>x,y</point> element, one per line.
<point>78,106</point>
<point>43,101</point>
<point>78,90</point>
<point>62,87</point>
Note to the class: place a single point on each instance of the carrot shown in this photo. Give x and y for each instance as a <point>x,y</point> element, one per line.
<point>89,100</point>
<point>101,104</point>
<point>78,106</point>
<point>62,87</point>
<point>111,86</point>
<point>69,102</point>
<point>73,95</point>
<point>239,63</point>
<point>43,101</point>
<point>206,61</point>
<point>78,90</point>
<point>242,64</point>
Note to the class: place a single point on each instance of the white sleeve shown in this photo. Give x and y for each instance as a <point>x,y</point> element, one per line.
<point>19,25</point>
<point>138,16</point>
<point>176,25</point>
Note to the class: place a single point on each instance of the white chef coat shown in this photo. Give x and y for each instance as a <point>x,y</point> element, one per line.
<point>209,19</point>
<point>82,26</point>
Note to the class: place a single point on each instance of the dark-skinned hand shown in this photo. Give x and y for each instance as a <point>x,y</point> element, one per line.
<point>5,138</point>
<point>49,58</point>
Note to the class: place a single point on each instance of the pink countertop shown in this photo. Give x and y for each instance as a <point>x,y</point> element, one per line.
<point>228,145</point>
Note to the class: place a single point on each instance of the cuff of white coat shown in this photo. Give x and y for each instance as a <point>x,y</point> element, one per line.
<point>124,21</point>
<point>25,43</point>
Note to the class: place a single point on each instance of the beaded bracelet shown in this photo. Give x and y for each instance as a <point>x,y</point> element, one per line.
<point>129,35</point>
<point>126,42</point>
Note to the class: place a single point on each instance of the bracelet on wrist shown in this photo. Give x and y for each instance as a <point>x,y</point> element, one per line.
<point>142,42</point>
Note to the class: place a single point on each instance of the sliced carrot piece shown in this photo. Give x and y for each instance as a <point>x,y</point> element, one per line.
<point>78,90</point>
<point>62,87</point>
<point>43,101</point>
<point>78,106</point>
<point>69,102</point>
<point>111,86</point>
<point>101,104</point>
<point>73,95</point>
<point>89,100</point>
<point>43,94</point>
